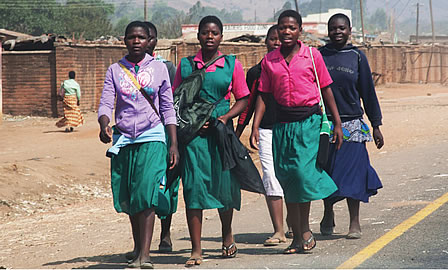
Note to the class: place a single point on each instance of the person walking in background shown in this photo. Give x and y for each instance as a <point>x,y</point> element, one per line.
<point>274,192</point>
<point>205,184</point>
<point>138,86</point>
<point>150,50</point>
<point>350,166</point>
<point>165,244</point>
<point>70,94</point>
<point>289,75</point>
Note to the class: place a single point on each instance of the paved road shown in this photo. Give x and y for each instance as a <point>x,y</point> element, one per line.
<point>412,179</point>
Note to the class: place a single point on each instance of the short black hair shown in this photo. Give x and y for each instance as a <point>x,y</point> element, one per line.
<point>72,74</point>
<point>150,25</point>
<point>272,28</point>
<point>135,24</point>
<point>210,19</point>
<point>339,16</point>
<point>290,13</point>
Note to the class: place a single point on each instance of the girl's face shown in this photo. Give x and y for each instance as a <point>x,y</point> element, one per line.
<point>339,31</point>
<point>272,41</point>
<point>152,41</point>
<point>289,31</point>
<point>210,37</point>
<point>136,41</point>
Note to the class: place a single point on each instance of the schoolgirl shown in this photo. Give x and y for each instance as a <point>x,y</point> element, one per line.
<point>205,184</point>
<point>288,74</point>
<point>139,152</point>
<point>350,166</point>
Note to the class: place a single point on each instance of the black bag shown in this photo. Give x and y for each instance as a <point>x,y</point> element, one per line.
<point>324,150</point>
<point>192,111</point>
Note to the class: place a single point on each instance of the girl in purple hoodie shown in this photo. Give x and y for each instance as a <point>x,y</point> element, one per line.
<point>139,151</point>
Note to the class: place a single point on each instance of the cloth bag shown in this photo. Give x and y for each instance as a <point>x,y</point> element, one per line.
<point>192,111</point>
<point>325,127</point>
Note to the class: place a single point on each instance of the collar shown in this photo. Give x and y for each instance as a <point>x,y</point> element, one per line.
<point>198,58</point>
<point>303,52</point>
<point>148,58</point>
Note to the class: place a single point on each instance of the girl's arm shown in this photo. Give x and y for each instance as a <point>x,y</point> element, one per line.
<point>174,150</point>
<point>330,104</point>
<point>106,107</point>
<point>236,109</point>
<point>260,108</point>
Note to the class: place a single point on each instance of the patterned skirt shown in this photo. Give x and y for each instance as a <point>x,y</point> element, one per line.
<point>72,113</point>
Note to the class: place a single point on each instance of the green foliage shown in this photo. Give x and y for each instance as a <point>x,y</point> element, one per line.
<point>80,18</point>
<point>33,17</point>
<point>88,18</point>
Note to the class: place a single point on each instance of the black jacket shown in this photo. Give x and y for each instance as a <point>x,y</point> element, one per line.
<point>234,156</point>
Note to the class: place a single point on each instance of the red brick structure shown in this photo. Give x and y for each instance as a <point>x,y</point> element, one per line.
<point>31,79</point>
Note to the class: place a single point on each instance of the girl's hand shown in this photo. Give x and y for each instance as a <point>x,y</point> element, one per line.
<point>174,156</point>
<point>204,128</point>
<point>106,134</point>
<point>337,135</point>
<point>378,137</point>
<point>223,118</point>
<point>254,139</point>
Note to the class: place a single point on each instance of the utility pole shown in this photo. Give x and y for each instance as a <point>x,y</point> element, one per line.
<point>145,12</point>
<point>432,23</point>
<point>416,25</point>
<point>362,22</point>
<point>297,5</point>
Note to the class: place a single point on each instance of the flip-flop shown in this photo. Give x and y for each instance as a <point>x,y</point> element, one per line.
<point>193,261</point>
<point>310,240</point>
<point>354,235</point>
<point>293,250</point>
<point>273,241</point>
<point>230,251</point>
<point>145,265</point>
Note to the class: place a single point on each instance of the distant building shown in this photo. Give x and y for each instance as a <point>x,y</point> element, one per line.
<point>317,23</point>
<point>230,30</point>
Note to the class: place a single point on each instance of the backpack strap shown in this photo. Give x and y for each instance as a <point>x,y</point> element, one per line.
<point>137,84</point>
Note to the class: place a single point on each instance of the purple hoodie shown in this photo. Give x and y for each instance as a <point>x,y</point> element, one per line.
<point>133,113</point>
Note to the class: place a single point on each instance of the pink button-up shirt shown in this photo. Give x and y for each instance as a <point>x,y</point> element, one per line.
<point>238,85</point>
<point>294,84</point>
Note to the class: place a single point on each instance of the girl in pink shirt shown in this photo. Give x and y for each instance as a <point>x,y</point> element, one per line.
<point>288,74</point>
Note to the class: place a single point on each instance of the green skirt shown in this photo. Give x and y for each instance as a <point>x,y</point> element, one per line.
<point>136,173</point>
<point>294,147</point>
<point>205,184</point>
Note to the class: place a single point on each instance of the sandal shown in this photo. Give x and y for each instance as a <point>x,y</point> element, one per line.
<point>230,251</point>
<point>293,250</point>
<point>193,261</point>
<point>144,265</point>
<point>310,240</point>
<point>273,241</point>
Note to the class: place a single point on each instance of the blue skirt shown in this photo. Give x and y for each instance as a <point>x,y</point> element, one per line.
<point>350,169</point>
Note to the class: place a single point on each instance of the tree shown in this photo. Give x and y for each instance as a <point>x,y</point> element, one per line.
<point>88,19</point>
<point>34,17</point>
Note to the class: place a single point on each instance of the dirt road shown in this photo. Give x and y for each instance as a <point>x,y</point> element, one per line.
<point>56,208</point>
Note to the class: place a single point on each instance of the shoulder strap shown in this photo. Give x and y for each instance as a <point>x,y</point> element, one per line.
<point>321,102</point>
<point>137,84</point>
<point>213,61</point>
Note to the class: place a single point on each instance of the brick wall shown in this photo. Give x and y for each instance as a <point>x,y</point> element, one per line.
<point>90,64</point>
<point>29,83</point>
<point>31,79</point>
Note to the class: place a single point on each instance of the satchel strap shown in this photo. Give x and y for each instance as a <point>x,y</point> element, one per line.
<point>137,84</point>
<point>321,102</point>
